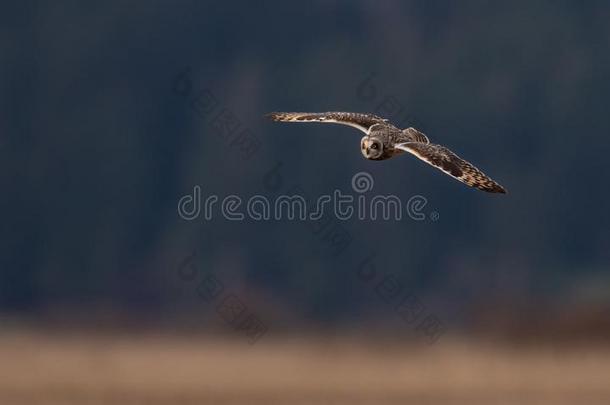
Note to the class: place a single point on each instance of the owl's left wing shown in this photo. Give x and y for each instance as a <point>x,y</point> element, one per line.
<point>453,165</point>
<point>413,135</point>
<point>357,120</point>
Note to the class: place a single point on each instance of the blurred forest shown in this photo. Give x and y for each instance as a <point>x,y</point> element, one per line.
<point>108,120</point>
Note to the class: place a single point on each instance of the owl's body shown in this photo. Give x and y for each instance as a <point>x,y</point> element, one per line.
<point>384,141</point>
<point>389,136</point>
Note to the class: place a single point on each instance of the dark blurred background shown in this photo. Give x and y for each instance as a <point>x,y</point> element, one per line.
<point>110,114</point>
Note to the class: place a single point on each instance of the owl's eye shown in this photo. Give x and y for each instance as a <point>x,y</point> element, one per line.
<point>374,146</point>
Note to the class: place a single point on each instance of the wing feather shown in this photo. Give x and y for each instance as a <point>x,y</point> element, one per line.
<point>453,165</point>
<point>413,135</point>
<point>356,120</point>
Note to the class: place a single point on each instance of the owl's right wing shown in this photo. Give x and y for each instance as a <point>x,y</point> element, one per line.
<point>360,121</point>
<point>453,165</point>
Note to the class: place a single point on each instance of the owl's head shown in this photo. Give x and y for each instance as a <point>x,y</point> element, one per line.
<point>371,147</point>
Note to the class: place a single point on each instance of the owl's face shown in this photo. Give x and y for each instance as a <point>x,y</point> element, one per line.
<point>371,147</point>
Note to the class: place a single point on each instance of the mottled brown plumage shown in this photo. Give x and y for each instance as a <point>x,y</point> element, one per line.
<point>383,141</point>
<point>361,121</point>
<point>450,163</point>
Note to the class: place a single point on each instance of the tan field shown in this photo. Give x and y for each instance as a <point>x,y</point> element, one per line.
<point>43,368</point>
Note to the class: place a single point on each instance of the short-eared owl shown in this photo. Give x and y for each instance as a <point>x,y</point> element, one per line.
<point>383,141</point>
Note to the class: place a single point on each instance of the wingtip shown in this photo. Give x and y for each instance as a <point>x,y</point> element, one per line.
<point>498,189</point>
<point>273,116</point>
<point>492,187</point>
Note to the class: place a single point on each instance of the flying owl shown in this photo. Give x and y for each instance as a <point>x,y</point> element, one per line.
<point>383,141</point>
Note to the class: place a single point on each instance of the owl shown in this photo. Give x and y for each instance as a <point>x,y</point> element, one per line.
<point>383,141</point>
